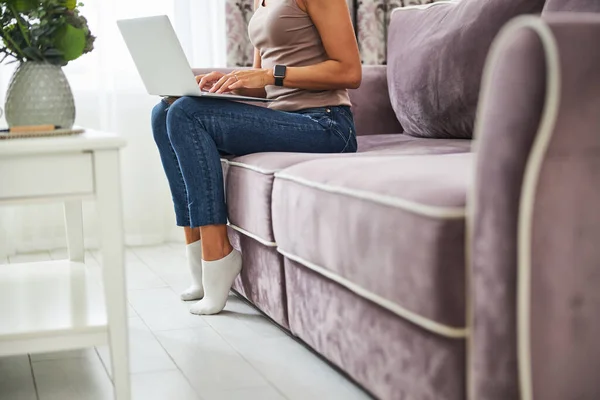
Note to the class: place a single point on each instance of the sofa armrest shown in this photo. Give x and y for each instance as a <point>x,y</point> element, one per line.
<point>373,112</point>
<point>534,223</point>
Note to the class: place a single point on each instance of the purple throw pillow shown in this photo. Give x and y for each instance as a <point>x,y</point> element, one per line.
<point>436,56</point>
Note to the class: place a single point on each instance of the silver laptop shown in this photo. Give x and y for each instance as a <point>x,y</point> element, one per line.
<point>160,59</point>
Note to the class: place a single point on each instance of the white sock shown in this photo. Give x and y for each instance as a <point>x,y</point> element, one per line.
<point>194,259</point>
<point>218,276</point>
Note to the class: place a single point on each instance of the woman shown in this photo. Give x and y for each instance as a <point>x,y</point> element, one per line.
<point>306,57</point>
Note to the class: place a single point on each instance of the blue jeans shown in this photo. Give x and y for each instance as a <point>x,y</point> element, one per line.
<point>193,133</point>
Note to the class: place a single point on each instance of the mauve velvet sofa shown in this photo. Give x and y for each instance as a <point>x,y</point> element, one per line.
<point>444,268</point>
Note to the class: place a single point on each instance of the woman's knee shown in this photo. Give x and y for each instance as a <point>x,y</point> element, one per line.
<point>180,108</point>
<point>179,119</point>
<point>159,122</point>
<point>188,108</point>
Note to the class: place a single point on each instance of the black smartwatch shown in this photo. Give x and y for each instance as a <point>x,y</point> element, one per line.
<point>279,74</point>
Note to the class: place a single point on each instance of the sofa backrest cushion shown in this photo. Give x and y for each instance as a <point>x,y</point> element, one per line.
<point>573,5</point>
<point>436,55</point>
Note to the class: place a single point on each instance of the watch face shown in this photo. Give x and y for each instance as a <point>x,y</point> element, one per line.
<point>279,71</point>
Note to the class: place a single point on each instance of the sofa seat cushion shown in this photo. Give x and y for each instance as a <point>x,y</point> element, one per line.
<point>409,145</point>
<point>391,229</point>
<point>249,179</point>
<point>248,187</point>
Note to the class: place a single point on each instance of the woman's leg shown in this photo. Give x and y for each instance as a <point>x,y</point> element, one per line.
<point>170,163</point>
<point>191,234</point>
<point>199,129</point>
<point>179,194</point>
<point>202,172</point>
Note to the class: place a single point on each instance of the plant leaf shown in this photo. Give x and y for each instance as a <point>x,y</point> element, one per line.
<point>24,6</point>
<point>70,4</point>
<point>32,53</point>
<point>71,41</point>
<point>53,53</point>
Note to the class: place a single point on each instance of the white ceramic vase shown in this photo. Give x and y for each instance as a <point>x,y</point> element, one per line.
<point>39,94</point>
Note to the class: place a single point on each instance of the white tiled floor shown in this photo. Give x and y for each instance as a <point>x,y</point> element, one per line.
<point>237,355</point>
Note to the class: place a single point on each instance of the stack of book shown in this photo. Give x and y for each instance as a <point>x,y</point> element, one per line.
<point>18,132</point>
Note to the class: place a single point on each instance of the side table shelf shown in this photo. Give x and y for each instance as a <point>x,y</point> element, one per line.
<point>50,306</point>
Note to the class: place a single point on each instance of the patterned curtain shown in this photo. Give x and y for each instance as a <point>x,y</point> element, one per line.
<point>370,18</point>
<point>240,52</point>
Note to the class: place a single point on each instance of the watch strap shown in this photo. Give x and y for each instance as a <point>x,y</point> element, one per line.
<point>279,73</point>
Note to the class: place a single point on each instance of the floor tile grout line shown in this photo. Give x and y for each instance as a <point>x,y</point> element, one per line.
<point>92,255</point>
<point>172,359</point>
<point>250,363</point>
<point>167,352</point>
<point>132,248</point>
<point>104,367</point>
<point>90,251</point>
<point>159,330</point>
<point>162,347</point>
<point>133,309</point>
<point>129,290</point>
<point>138,256</point>
<point>289,336</point>
<point>180,329</point>
<point>208,326</point>
<point>35,388</point>
<point>148,288</point>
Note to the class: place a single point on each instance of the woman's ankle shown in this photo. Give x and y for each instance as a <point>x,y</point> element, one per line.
<point>214,253</point>
<point>215,242</point>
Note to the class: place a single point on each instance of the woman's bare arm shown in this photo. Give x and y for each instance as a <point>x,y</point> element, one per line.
<point>342,70</point>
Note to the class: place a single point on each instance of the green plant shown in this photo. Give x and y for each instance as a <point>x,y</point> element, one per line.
<point>43,30</point>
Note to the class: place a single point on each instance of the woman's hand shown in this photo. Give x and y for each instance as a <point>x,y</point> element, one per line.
<point>207,81</point>
<point>243,79</point>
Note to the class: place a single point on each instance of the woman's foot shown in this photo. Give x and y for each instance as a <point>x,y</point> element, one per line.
<point>218,277</point>
<point>194,259</point>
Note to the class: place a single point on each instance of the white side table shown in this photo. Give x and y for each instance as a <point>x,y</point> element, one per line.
<point>53,306</point>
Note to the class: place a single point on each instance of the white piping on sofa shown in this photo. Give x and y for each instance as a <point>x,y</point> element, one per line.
<point>251,167</point>
<point>528,192</point>
<point>527,201</point>
<point>419,320</point>
<point>423,6</point>
<point>260,240</point>
<point>396,202</point>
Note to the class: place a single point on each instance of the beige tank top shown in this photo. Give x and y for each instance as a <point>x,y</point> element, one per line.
<point>284,34</point>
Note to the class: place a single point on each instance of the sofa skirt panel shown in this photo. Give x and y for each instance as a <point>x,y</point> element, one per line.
<point>389,356</point>
<point>261,280</point>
